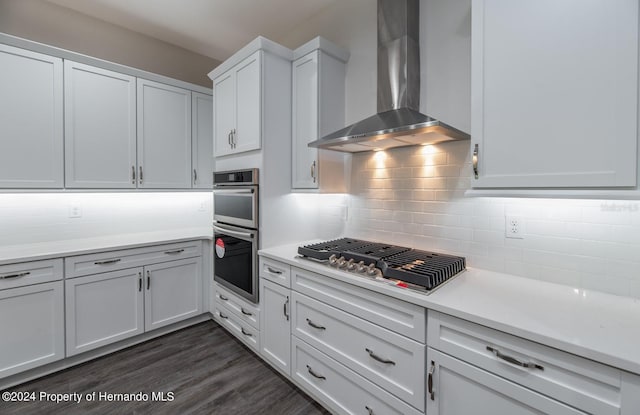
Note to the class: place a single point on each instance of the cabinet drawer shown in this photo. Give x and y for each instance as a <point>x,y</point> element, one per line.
<point>244,310</point>
<point>241,330</point>
<point>393,314</point>
<point>339,388</point>
<point>77,266</point>
<point>584,384</point>
<point>275,271</point>
<point>27,273</point>
<point>389,360</point>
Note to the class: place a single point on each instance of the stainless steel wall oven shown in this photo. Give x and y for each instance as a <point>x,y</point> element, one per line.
<point>235,231</point>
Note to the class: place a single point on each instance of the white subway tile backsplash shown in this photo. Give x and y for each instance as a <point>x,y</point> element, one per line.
<point>590,244</point>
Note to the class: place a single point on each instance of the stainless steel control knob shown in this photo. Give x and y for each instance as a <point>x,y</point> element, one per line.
<point>333,260</point>
<point>342,262</point>
<point>360,267</point>
<point>371,269</point>
<point>351,265</point>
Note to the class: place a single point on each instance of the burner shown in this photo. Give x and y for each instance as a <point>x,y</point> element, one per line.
<point>423,270</point>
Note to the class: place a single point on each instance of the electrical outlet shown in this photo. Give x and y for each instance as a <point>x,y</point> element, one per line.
<point>201,207</point>
<point>75,211</point>
<point>514,227</point>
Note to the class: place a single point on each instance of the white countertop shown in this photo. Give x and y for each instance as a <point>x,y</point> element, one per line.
<point>57,249</point>
<point>594,325</point>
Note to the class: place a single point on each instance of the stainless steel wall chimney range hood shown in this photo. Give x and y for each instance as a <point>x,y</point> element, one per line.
<point>398,122</point>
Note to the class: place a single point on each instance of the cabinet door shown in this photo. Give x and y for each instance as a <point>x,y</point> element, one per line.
<point>554,93</point>
<point>461,389</point>
<point>32,327</point>
<point>224,112</point>
<point>173,292</point>
<point>103,308</point>
<point>305,122</point>
<point>275,325</point>
<point>248,127</point>
<point>164,136</point>
<point>100,128</point>
<point>202,140</point>
<point>31,144</point>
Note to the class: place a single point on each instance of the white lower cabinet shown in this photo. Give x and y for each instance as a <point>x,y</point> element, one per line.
<point>32,326</point>
<point>275,325</point>
<point>173,292</point>
<point>106,307</point>
<point>462,389</point>
<point>339,388</point>
<point>240,317</point>
<point>475,369</point>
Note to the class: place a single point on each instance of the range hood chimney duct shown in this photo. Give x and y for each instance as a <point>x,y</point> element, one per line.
<point>398,122</point>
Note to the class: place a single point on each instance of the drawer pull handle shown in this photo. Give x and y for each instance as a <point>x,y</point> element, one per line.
<point>245,312</point>
<point>245,333</point>
<point>139,281</point>
<point>314,374</point>
<point>18,275</point>
<point>369,410</point>
<point>177,251</point>
<point>223,298</point>
<point>379,359</point>
<point>315,326</point>
<point>285,309</point>
<point>430,380</point>
<point>108,261</point>
<point>513,360</point>
<point>148,279</point>
<point>222,315</point>
<point>274,271</point>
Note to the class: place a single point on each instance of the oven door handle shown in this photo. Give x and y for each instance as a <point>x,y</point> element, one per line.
<point>233,233</point>
<point>234,191</point>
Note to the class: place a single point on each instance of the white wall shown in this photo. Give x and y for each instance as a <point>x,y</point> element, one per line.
<point>41,217</point>
<point>48,23</point>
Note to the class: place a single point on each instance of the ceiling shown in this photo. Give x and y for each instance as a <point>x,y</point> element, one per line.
<point>214,28</point>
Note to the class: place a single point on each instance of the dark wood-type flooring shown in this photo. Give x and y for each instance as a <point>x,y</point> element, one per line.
<point>208,371</point>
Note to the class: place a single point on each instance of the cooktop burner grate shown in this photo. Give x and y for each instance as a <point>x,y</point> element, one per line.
<point>427,269</point>
<point>419,268</point>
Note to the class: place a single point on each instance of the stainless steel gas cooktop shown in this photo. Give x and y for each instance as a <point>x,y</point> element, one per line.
<point>395,265</point>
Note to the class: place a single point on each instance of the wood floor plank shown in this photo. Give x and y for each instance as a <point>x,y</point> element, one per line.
<point>207,370</point>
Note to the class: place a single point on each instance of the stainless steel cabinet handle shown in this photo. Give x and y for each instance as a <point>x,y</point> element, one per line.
<point>133,174</point>
<point>175,251</point>
<point>222,315</point>
<point>379,359</point>
<point>430,381</point>
<point>18,275</point>
<point>314,374</point>
<point>195,176</point>
<point>274,271</point>
<point>475,161</point>
<point>285,308</point>
<point>233,233</point>
<point>223,298</point>
<point>233,138</point>
<point>246,313</point>
<point>313,171</point>
<point>229,139</point>
<point>245,333</point>
<point>369,410</point>
<point>148,279</point>
<point>315,326</point>
<point>140,168</point>
<point>107,262</point>
<point>513,360</point>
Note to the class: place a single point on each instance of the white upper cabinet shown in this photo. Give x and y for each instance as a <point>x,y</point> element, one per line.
<point>237,107</point>
<point>100,128</point>
<point>164,136</point>
<point>31,100</point>
<point>202,143</point>
<point>318,107</point>
<point>555,93</point>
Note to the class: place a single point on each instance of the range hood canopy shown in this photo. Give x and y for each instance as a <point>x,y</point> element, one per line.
<point>398,122</point>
